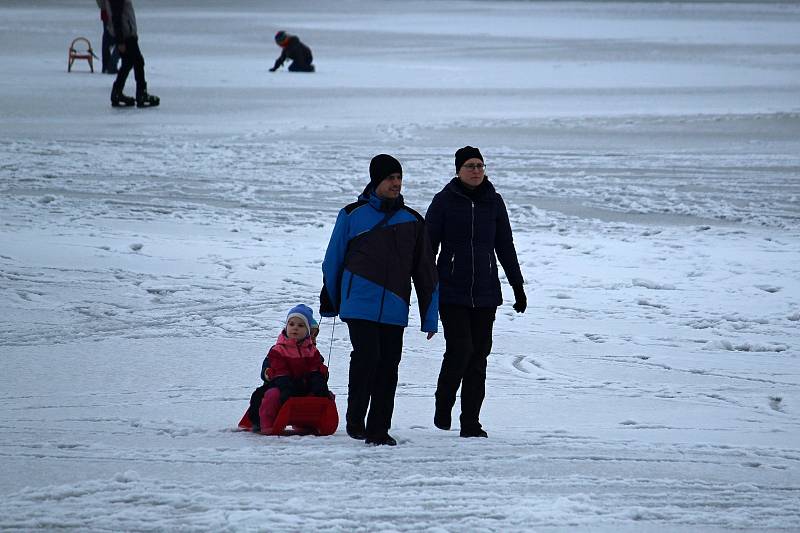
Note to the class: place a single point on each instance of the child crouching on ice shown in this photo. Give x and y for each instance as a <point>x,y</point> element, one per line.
<point>293,367</point>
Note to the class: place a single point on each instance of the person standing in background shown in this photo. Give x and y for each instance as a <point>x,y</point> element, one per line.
<point>109,55</point>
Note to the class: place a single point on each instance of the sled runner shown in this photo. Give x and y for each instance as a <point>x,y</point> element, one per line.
<point>307,415</point>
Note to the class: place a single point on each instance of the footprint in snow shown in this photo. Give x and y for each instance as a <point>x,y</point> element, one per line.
<point>775,403</point>
<point>769,288</point>
<point>654,285</point>
<point>647,303</point>
<point>594,337</point>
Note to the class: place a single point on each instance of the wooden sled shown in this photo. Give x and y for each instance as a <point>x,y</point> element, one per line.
<point>306,415</point>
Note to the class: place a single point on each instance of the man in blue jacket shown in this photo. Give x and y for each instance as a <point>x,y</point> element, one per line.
<point>377,247</point>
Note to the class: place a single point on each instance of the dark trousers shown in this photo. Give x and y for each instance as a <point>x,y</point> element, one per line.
<point>110,56</point>
<point>468,342</point>
<point>298,66</point>
<point>302,64</point>
<point>255,404</point>
<point>131,59</point>
<point>373,375</point>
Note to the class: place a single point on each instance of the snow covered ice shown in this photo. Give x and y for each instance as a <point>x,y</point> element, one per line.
<point>649,156</point>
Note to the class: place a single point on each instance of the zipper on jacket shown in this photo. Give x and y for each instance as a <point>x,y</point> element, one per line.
<point>453,265</point>
<point>300,355</point>
<point>472,248</point>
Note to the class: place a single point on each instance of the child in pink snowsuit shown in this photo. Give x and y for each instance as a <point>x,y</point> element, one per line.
<point>293,367</point>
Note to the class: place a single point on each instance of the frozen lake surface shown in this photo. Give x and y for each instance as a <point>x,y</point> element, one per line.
<point>648,154</point>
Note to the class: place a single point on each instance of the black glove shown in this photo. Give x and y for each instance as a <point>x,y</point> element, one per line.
<point>520,300</point>
<point>285,385</point>
<point>326,307</point>
<point>318,385</point>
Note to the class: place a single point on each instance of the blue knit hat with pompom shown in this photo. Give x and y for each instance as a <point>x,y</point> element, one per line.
<point>304,313</point>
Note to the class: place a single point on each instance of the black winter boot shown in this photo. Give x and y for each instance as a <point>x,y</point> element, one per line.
<point>357,433</point>
<point>442,418</point>
<point>143,99</point>
<point>473,432</point>
<point>120,100</point>
<point>381,440</point>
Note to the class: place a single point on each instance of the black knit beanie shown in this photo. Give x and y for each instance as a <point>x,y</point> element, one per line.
<point>381,166</point>
<point>465,154</point>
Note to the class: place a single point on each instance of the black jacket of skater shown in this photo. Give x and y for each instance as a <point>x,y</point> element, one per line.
<point>293,49</point>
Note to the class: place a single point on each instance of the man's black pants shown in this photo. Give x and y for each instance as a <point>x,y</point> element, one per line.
<point>468,342</point>
<point>110,55</point>
<point>373,375</point>
<point>131,59</point>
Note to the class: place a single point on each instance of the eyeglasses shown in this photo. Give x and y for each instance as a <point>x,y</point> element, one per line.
<point>474,166</point>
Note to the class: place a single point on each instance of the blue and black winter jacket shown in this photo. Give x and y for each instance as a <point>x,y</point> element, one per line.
<point>377,247</point>
<point>472,226</point>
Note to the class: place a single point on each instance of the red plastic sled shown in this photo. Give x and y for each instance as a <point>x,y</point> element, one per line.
<point>307,415</point>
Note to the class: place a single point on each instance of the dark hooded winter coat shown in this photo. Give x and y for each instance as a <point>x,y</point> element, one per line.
<point>295,50</point>
<point>473,230</point>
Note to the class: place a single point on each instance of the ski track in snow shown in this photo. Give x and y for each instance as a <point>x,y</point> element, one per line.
<point>648,157</point>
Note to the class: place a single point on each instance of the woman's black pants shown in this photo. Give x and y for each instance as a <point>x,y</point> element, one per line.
<point>468,342</point>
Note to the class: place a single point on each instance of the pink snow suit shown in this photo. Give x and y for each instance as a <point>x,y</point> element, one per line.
<point>289,358</point>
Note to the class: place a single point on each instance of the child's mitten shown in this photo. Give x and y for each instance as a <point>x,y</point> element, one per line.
<point>318,384</point>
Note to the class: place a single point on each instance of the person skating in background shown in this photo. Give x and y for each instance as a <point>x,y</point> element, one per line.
<point>292,48</point>
<point>468,218</point>
<point>109,55</point>
<point>292,367</point>
<point>123,28</point>
<point>378,245</point>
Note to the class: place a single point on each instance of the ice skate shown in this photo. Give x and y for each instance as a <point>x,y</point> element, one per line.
<point>120,100</point>
<point>143,99</point>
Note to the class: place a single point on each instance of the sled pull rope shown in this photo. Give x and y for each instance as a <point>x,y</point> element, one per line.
<point>330,348</point>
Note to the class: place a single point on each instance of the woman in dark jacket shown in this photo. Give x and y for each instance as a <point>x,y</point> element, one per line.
<point>469,220</point>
